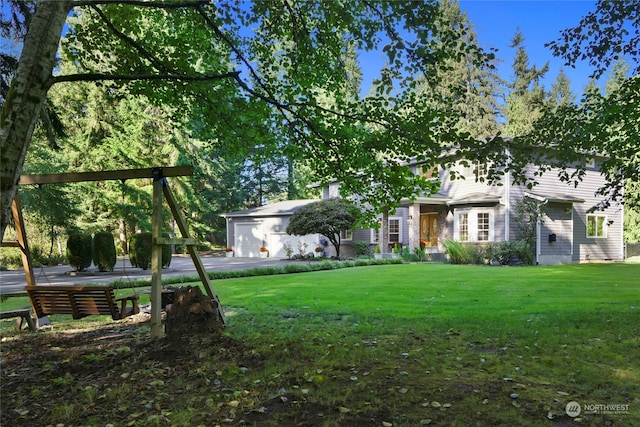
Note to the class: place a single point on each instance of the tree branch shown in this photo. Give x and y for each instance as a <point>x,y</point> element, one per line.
<point>155,62</point>
<point>94,77</point>
<point>144,3</point>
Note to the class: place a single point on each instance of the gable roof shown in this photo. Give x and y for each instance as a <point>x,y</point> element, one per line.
<point>555,198</point>
<point>287,207</point>
<point>476,199</point>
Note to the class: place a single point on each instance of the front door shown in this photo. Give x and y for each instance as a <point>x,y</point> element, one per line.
<point>429,230</point>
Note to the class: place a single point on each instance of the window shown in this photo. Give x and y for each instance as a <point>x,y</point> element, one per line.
<point>483,227</point>
<point>346,235</point>
<point>394,229</point>
<point>596,226</point>
<point>473,225</point>
<point>476,170</point>
<point>464,227</point>
<point>428,172</point>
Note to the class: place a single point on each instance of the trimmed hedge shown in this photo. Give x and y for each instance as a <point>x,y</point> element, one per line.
<point>104,251</point>
<point>79,251</point>
<point>140,251</point>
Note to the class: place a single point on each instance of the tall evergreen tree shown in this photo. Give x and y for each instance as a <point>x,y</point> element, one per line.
<point>526,96</point>
<point>561,93</point>
<point>473,87</point>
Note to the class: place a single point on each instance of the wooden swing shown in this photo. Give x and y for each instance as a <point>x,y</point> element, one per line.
<point>103,301</point>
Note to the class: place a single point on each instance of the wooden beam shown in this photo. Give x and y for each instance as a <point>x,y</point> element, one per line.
<point>197,262</point>
<point>156,261</point>
<point>176,241</point>
<point>23,244</point>
<point>12,244</point>
<point>59,178</point>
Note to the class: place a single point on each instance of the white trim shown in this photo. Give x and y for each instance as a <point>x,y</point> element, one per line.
<point>375,231</point>
<point>473,224</point>
<point>605,226</point>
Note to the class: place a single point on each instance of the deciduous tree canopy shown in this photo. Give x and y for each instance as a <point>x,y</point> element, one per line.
<point>328,217</point>
<point>244,68</point>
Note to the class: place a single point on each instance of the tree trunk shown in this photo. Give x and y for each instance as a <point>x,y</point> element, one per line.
<point>384,232</point>
<point>28,90</point>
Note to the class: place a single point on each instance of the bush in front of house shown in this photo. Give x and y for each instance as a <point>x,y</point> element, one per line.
<point>104,251</point>
<point>362,248</point>
<point>79,251</point>
<point>509,253</point>
<point>463,253</point>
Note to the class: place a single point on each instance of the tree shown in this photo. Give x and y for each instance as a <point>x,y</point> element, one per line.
<point>241,68</point>
<point>526,97</point>
<point>608,124</point>
<point>328,217</point>
<point>561,91</point>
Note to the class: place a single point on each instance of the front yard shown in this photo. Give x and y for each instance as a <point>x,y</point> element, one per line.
<point>393,345</point>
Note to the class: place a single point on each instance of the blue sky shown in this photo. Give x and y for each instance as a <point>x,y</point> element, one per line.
<point>540,21</point>
<point>495,23</point>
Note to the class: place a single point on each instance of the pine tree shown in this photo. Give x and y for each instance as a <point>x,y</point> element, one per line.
<point>526,97</point>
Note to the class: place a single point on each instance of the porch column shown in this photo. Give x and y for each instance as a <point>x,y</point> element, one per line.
<point>414,226</point>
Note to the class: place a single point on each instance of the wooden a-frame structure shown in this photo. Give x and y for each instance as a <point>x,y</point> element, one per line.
<point>161,191</point>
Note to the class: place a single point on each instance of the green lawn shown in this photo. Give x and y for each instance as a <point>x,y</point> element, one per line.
<point>394,345</point>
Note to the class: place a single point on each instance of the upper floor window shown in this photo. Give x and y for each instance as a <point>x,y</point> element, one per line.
<point>476,170</point>
<point>473,225</point>
<point>428,172</point>
<point>596,226</point>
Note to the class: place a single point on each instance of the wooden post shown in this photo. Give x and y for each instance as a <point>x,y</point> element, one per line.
<point>193,251</point>
<point>21,237</point>
<point>156,260</point>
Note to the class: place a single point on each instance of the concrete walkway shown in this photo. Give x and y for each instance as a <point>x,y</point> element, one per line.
<point>181,265</point>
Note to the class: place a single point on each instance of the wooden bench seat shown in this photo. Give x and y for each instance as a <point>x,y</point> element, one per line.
<point>80,301</point>
<point>23,316</point>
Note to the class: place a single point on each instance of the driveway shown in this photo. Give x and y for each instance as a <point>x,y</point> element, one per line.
<point>181,265</point>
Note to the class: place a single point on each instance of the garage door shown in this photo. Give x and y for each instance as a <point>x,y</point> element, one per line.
<point>248,240</point>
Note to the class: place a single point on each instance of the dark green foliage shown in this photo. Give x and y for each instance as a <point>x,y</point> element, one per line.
<point>463,253</point>
<point>362,248</point>
<point>327,217</point>
<point>79,251</point>
<point>509,252</point>
<point>104,251</point>
<point>140,250</point>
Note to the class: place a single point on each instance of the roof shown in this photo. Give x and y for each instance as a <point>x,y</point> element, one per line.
<point>475,199</point>
<point>554,198</point>
<point>287,207</point>
<point>434,199</point>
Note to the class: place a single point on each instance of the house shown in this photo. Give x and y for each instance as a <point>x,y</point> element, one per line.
<point>472,211</point>
<point>265,226</point>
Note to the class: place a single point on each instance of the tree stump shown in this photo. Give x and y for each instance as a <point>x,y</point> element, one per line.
<point>192,313</point>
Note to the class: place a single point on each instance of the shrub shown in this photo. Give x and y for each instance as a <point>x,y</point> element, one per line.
<point>104,251</point>
<point>362,248</point>
<point>506,253</point>
<point>79,251</point>
<point>140,250</point>
<point>463,253</point>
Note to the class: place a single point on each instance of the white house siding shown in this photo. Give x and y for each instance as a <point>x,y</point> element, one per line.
<point>558,222</point>
<point>584,248</point>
